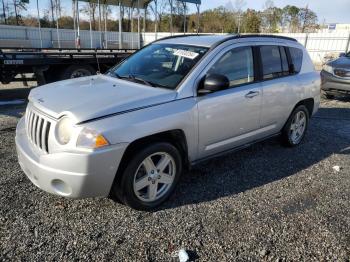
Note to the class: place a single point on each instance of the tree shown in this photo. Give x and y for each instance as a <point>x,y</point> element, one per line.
<point>291,18</point>
<point>308,19</point>
<point>218,20</point>
<point>19,5</point>
<point>251,21</point>
<point>239,4</point>
<point>271,17</point>
<point>230,18</point>
<point>52,9</point>
<point>66,22</point>
<point>91,7</point>
<point>4,16</point>
<point>163,10</point>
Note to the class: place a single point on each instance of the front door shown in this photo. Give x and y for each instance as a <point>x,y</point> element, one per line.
<point>230,117</point>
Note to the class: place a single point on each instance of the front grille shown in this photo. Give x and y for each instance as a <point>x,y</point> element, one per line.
<point>38,128</point>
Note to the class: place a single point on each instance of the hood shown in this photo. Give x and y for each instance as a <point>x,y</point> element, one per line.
<point>341,62</point>
<point>95,96</point>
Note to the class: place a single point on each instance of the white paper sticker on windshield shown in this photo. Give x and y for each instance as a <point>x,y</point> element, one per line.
<point>185,53</point>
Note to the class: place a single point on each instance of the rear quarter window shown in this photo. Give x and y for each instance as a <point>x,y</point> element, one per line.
<point>297,58</point>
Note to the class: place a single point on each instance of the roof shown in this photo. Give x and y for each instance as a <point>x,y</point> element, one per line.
<point>196,40</point>
<point>212,40</point>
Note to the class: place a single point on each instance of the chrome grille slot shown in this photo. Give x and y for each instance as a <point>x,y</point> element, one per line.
<point>37,128</point>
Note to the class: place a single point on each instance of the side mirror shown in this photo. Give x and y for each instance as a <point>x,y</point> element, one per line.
<point>342,54</point>
<point>214,82</point>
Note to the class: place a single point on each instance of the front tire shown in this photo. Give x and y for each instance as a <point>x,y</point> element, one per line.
<point>149,177</point>
<point>296,126</point>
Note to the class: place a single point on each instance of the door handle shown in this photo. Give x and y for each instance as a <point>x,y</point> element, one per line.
<point>252,94</point>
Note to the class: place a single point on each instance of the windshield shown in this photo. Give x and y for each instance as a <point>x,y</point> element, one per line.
<point>159,65</point>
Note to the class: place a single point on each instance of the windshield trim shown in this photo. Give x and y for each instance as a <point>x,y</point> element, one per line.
<point>110,72</point>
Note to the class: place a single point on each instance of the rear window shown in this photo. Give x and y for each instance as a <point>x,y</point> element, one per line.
<point>271,62</point>
<point>297,58</point>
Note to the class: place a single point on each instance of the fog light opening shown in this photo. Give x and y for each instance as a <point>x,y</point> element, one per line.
<point>61,187</point>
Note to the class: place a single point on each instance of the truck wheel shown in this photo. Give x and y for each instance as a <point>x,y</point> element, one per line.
<point>296,126</point>
<point>149,177</point>
<point>328,96</point>
<point>75,71</point>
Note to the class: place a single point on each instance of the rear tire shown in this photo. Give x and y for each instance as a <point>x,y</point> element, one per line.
<point>145,183</point>
<point>295,129</point>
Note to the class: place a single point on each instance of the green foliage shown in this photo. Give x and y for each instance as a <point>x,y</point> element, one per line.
<point>251,22</point>
<point>218,20</point>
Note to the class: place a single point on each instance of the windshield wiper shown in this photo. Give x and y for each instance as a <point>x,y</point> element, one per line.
<point>142,80</point>
<point>119,76</point>
<point>137,79</point>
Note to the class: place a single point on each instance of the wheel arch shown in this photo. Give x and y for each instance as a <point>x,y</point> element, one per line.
<point>308,103</point>
<point>175,137</point>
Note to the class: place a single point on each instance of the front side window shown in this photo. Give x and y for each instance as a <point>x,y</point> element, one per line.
<point>160,65</point>
<point>237,65</point>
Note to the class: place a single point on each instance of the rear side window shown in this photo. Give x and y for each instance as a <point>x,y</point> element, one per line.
<point>297,58</point>
<point>237,65</point>
<point>271,62</point>
<point>284,61</point>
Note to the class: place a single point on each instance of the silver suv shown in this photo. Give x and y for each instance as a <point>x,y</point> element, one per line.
<point>129,134</point>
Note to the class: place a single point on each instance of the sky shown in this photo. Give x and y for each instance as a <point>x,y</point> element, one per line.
<point>329,11</point>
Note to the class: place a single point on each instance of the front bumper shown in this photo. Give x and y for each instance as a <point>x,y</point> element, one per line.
<point>69,174</point>
<point>333,84</point>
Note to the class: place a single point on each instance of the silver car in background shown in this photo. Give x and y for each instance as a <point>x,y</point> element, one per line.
<point>129,134</point>
<point>336,76</point>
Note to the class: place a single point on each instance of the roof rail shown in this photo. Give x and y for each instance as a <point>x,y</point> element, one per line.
<point>237,36</point>
<point>231,37</point>
<point>269,36</point>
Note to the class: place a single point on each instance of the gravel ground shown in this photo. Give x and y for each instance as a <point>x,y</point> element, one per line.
<point>264,203</point>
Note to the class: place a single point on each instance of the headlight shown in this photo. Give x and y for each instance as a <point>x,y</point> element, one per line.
<point>64,130</point>
<point>89,138</point>
<point>328,69</point>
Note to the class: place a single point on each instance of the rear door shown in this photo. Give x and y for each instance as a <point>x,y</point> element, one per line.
<point>278,87</point>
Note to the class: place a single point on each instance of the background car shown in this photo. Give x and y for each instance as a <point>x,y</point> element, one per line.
<point>336,76</point>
